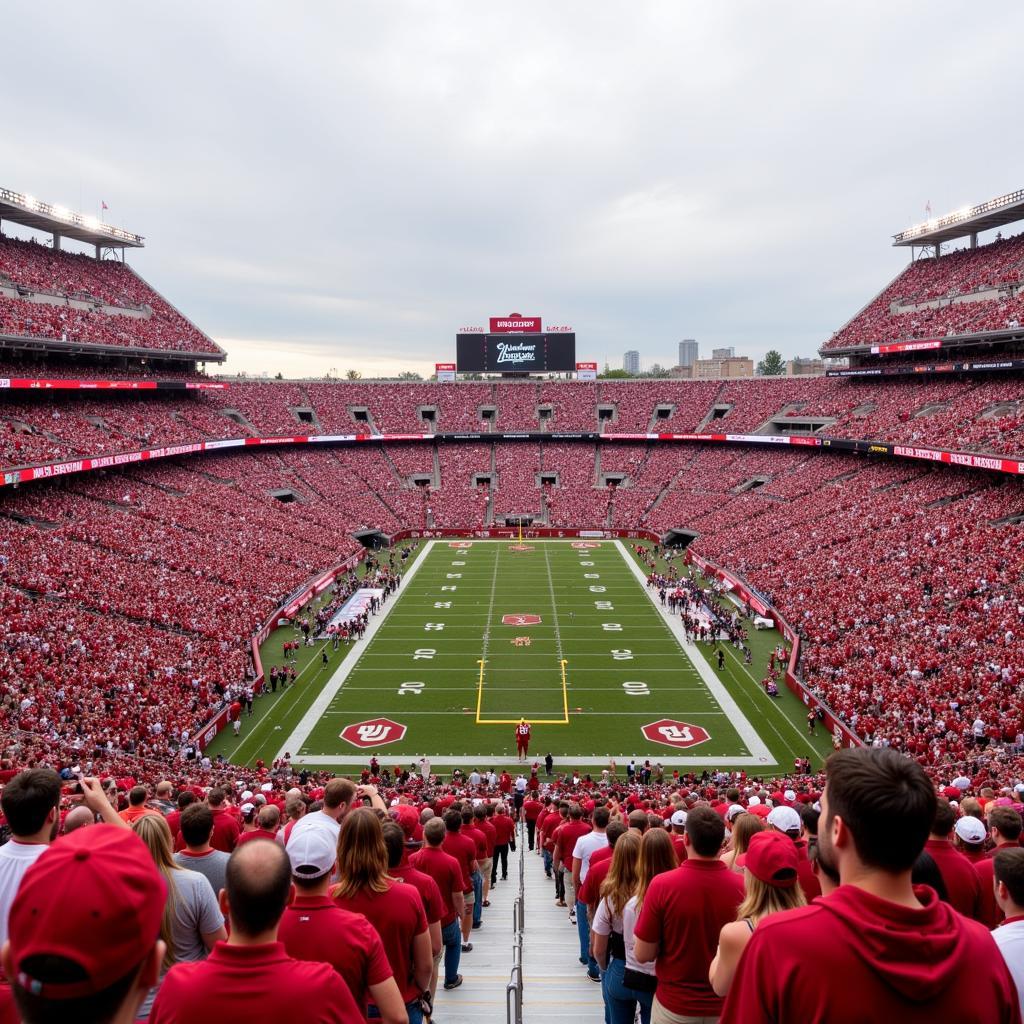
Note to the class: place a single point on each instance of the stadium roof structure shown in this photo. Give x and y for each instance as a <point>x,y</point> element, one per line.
<point>969,220</point>
<point>58,220</point>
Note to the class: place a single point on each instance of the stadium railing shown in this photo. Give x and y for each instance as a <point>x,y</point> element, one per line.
<point>514,988</point>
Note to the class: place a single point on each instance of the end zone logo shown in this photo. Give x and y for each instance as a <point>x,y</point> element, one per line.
<point>374,733</point>
<point>584,544</point>
<point>520,620</point>
<point>671,733</point>
<point>460,544</point>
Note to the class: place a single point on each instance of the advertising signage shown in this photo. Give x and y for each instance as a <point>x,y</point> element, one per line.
<point>514,323</point>
<point>509,353</point>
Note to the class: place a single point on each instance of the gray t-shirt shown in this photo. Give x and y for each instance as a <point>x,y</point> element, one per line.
<point>196,913</point>
<point>213,864</point>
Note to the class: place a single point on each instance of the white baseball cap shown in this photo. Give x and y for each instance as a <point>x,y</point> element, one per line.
<point>312,853</point>
<point>785,819</point>
<point>679,818</point>
<point>734,811</point>
<point>970,830</point>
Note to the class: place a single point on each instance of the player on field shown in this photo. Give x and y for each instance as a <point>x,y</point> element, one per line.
<point>523,738</point>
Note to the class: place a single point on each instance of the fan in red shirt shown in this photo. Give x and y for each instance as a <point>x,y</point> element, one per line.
<point>394,908</point>
<point>878,947</point>
<point>250,976</point>
<point>396,839</point>
<point>523,739</point>
<point>315,928</point>
<point>957,872</point>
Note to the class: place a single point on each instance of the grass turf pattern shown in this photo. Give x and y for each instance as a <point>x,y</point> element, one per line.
<point>459,659</point>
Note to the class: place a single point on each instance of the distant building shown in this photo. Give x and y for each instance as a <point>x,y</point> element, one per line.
<point>689,353</point>
<point>733,366</point>
<point>723,353</point>
<point>631,361</point>
<point>682,372</point>
<point>801,366</point>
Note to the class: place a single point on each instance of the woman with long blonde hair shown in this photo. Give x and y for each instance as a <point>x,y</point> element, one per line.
<point>770,875</point>
<point>744,827</point>
<point>392,906</point>
<point>192,920</point>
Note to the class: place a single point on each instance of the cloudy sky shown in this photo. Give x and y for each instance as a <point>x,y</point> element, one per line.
<point>345,185</point>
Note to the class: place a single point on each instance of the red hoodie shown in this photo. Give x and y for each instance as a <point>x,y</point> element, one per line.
<point>851,957</point>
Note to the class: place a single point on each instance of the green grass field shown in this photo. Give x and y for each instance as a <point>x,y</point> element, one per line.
<point>602,663</point>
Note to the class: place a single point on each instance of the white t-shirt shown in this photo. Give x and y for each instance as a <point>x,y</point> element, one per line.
<point>585,847</point>
<point>605,923</point>
<point>15,859</point>
<point>1010,940</point>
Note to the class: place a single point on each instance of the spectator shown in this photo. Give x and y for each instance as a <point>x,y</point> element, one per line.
<point>338,795</point>
<point>226,828</point>
<point>267,820</point>
<point>198,855</point>
<point>447,873</point>
<point>85,930</point>
<point>29,802</point>
<point>786,821</point>
<point>136,805</point>
<point>394,909</point>
<point>192,921</point>
<point>744,827</point>
<point>772,884</point>
<point>463,849</point>
<point>1004,830</point>
<point>398,841</point>
<point>901,954</point>
<point>585,847</point>
<point>1009,891</point>
<point>250,977</point>
<point>960,877</point>
<point>76,818</point>
<point>314,927</point>
<point>683,914</point>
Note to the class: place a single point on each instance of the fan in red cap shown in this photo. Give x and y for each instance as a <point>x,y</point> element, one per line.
<point>85,928</point>
<point>771,882</point>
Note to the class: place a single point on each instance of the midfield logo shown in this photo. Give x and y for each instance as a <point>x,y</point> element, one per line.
<point>520,620</point>
<point>374,733</point>
<point>671,733</point>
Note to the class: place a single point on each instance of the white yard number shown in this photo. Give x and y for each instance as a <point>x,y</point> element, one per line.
<point>434,625</point>
<point>591,575</point>
<point>442,604</point>
<point>612,627</point>
<point>423,653</point>
<point>625,654</point>
<point>414,688</point>
<point>634,688</point>
<point>458,563</point>
<point>455,575</point>
<point>603,606</point>
<point>596,588</point>
<point>453,587</point>
<point>586,563</point>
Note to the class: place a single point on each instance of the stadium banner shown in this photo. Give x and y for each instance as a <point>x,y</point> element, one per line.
<point>843,735</point>
<point>69,384</point>
<point>905,346</point>
<point>967,366</point>
<point>515,323</point>
<point>586,371</point>
<point>445,373</point>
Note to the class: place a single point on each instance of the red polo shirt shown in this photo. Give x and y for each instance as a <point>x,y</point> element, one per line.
<point>532,809</point>
<point>253,983</point>
<point>398,916</point>
<point>226,829</point>
<point>504,826</point>
<point>590,890</point>
<point>683,913</point>
<point>433,902</point>
<point>472,832</point>
<point>316,928</point>
<point>959,875</point>
<point>444,869</point>
<point>463,849</point>
<point>490,833</point>
<point>259,833</point>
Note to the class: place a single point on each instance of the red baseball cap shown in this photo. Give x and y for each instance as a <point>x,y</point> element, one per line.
<point>407,817</point>
<point>771,857</point>
<point>94,898</point>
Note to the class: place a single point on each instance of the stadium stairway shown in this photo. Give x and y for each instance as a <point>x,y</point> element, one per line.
<point>555,985</point>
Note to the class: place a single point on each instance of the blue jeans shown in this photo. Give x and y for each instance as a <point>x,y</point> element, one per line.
<point>583,927</point>
<point>620,1001</point>
<point>451,936</point>
<point>547,862</point>
<point>478,897</point>
<point>412,1009</point>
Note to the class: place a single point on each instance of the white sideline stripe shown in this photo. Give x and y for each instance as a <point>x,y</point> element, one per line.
<point>323,701</point>
<point>362,756</point>
<point>746,731</point>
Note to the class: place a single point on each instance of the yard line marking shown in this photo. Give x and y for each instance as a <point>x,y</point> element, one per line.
<point>487,636</point>
<point>746,731</point>
<point>315,711</point>
<point>621,759</point>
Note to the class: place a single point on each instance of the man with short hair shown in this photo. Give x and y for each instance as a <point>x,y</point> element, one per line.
<point>959,876</point>
<point>29,802</point>
<point>1008,866</point>
<point>1004,825</point>
<point>463,849</point>
<point>877,947</point>
<point>565,842</point>
<point>198,854</point>
<point>585,847</point>
<point>397,841</point>
<point>84,929</point>
<point>250,976</point>
<point>314,927</point>
<point>338,797</point>
<point>447,873</point>
<point>226,828</point>
<point>683,914</point>
<point>165,798</point>
<point>267,821</point>
<point>504,830</point>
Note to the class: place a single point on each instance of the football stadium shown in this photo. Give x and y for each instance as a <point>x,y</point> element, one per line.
<point>442,695</point>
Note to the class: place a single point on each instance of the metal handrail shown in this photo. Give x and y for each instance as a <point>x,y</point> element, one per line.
<point>514,988</point>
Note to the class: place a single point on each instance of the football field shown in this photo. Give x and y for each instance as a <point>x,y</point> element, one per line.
<point>562,633</point>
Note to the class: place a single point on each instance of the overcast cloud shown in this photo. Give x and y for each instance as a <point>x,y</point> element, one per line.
<point>345,185</point>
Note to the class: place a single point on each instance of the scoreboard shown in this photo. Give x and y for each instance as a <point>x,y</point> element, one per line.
<point>516,353</point>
